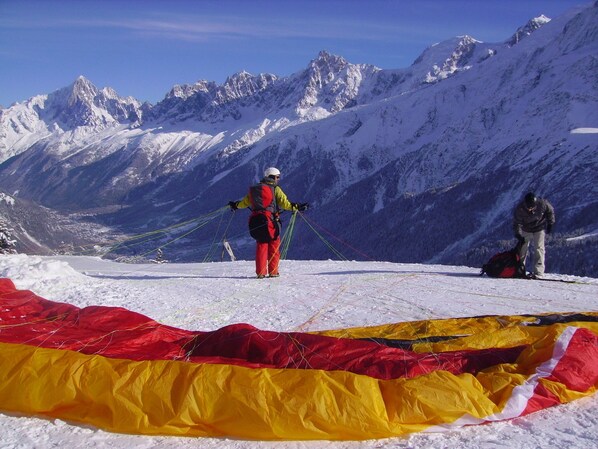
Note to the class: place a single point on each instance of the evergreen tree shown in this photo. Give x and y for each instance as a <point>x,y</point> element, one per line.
<point>7,243</point>
<point>159,256</point>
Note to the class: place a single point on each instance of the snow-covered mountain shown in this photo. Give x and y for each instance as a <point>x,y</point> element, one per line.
<point>528,29</point>
<point>79,109</point>
<point>417,164</point>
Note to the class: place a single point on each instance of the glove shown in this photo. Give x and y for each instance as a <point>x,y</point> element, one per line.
<point>234,205</point>
<point>301,207</point>
<point>520,238</point>
<point>548,229</point>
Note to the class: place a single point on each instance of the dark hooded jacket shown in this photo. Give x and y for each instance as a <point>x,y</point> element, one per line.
<point>535,220</point>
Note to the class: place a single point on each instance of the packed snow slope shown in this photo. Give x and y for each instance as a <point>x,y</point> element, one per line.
<point>309,296</point>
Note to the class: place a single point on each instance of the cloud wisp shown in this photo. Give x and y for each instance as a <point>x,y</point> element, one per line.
<point>202,29</point>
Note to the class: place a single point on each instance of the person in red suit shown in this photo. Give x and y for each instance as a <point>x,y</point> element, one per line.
<point>266,200</point>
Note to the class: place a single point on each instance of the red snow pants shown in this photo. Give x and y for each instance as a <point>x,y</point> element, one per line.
<point>267,256</point>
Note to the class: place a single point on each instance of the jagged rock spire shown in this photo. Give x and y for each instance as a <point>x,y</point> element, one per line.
<point>527,29</point>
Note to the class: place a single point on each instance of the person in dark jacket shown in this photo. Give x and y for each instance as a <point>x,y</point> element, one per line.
<point>532,220</point>
<point>266,201</point>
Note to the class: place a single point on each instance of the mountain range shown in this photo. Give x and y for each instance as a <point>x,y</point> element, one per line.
<point>421,164</point>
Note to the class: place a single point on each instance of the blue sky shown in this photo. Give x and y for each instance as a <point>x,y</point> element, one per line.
<point>144,47</point>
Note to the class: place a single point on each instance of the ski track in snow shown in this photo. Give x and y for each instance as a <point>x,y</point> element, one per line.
<point>309,296</point>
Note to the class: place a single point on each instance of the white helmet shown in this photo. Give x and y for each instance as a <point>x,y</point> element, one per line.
<point>271,171</point>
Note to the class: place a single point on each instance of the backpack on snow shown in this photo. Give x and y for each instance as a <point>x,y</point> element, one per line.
<point>505,265</point>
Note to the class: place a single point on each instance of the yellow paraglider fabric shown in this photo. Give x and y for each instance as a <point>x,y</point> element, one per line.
<point>556,361</point>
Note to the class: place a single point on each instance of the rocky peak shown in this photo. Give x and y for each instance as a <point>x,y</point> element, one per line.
<point>110,93</point>
<point>82,90</point>
<point>527,29</point>
<point>329,83</point>
<point>83,104</point>
<point>244,84</point>
<point>325,58</point>
<point>445,58</point>
<point>184,91</point>
<point>239,77</point>
<point>325,67</point>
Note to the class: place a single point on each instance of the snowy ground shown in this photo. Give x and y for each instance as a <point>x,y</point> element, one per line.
<point>308,296</point>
